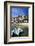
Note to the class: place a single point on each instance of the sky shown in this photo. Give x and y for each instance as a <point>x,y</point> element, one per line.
<point>16,11</point>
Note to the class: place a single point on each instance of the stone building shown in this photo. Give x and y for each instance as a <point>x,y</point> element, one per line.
<point>19,19</point>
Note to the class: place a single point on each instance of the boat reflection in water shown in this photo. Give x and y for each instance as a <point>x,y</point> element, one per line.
<point>17,31</point>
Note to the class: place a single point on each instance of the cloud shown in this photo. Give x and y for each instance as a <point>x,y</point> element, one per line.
<point>19,11</point>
